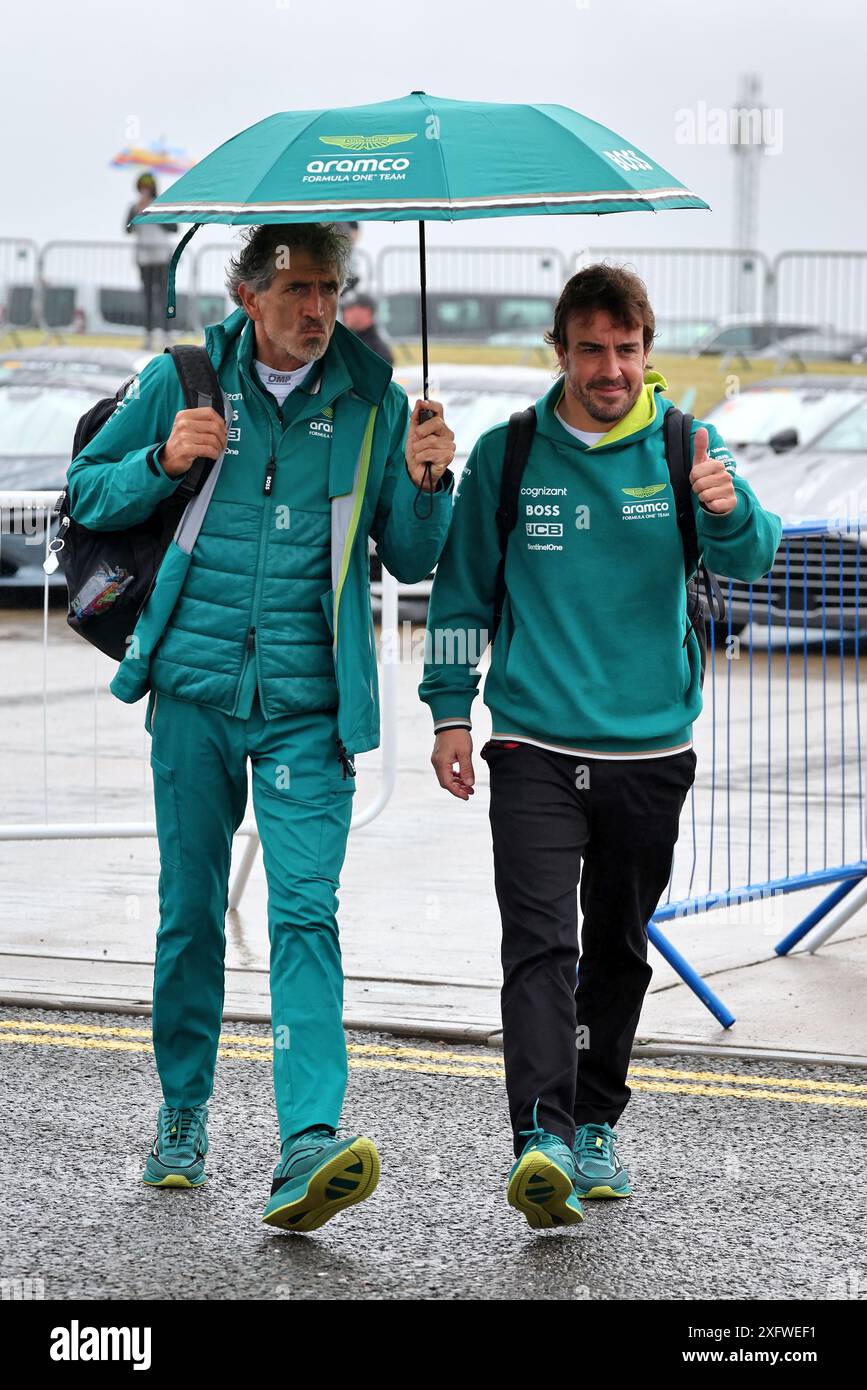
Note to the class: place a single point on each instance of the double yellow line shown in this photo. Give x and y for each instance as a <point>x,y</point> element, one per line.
<point>440,1062</point>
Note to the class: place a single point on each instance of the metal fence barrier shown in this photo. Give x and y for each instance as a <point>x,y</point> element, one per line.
<point>95,287</point>
<point>820,287</point>
<point>485,269</point>
<point>689,284</point>
<point>20,507</point>
<point>779,798</point>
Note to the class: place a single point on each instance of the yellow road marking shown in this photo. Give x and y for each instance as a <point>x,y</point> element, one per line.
<point>749,1080</point>
<point>438,1054</point>
<point>245,1040</point>
<point>431,1062</point>
<point>850,1102</point>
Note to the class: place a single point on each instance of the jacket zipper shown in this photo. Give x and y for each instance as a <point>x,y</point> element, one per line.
<point>251,643</point>
<point>347,763</point>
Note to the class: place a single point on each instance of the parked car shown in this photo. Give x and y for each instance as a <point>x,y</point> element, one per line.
<point>461,315</point>
<point>802,442</point>
<point>103,309</point>
<point>784,413</point>
<point>820,345</point>
<point>473,399</point>
<point>43,394</point>
<point>744,336</point>
<point>680,335</point>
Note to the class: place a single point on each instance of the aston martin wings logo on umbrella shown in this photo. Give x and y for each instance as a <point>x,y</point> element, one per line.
<point>366,142</point>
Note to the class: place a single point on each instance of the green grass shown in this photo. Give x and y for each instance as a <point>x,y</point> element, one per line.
<point>704,374</point>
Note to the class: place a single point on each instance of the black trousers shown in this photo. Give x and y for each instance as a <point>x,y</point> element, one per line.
<point>569,1048</point>
<point>154,279</point>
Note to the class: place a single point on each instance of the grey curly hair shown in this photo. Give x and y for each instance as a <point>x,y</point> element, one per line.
<point>265,251</point>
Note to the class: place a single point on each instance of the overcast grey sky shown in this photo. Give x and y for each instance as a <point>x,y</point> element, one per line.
<point>72,75</point>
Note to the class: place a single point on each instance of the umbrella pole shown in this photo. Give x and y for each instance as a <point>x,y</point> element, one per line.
<point>424,414</point>
<point>422,266</point>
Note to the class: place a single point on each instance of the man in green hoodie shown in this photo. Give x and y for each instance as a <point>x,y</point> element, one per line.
<point>258,643</point>
<point>592,694</point>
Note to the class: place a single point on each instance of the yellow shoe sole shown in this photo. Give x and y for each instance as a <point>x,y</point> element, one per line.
<point>322,1199</point>
<point>602,1192</point>
<point>174,1180</point>
<point>541,1191</point>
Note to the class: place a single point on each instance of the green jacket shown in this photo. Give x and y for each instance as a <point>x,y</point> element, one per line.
<point>355,425</point>
<point>590,655</point>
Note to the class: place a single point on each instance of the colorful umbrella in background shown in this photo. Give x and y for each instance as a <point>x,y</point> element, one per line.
<point>158,157</point>
<point>419,158</point>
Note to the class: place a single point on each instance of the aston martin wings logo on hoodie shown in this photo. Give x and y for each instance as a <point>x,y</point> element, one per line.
<point>644,491</point>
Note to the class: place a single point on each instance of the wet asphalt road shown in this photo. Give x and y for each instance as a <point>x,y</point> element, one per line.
<point>748,1195</point>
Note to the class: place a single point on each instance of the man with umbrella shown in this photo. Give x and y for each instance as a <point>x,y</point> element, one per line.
<point>593,694</point>
<point>259,644</point>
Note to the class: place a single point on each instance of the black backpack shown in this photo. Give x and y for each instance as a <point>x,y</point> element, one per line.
<point>110,574</point>
<point>676,435</point>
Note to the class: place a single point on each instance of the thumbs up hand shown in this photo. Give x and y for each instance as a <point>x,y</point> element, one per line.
<point>710,479</point>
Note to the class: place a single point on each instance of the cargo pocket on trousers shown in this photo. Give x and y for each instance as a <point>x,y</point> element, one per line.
<point>311,834</point>
<point>167,818</point>
<point>335,815</point>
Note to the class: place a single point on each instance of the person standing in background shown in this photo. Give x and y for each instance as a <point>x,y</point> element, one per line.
<point>153,251</point>
<point>359,315</point>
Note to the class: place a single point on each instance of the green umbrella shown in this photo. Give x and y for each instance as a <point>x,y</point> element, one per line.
<point>420,158</point>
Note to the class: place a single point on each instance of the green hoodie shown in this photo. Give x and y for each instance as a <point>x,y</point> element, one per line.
<point>590,656</point>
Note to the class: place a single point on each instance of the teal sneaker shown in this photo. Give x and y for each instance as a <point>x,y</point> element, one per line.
<point>177,1158</point>
<point>317,1176</point>
<point>599,1172</point>
<point>541,1183</point>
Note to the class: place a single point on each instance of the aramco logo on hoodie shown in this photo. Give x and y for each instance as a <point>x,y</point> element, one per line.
<point>645,509</point>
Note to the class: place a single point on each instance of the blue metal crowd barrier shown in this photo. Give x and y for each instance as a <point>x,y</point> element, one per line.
<point>779,798</point>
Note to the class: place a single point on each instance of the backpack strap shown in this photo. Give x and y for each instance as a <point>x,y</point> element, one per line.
<point>676,428</point>
<point>201,387</point>
<point>519,440</point>
<point>677,435</point>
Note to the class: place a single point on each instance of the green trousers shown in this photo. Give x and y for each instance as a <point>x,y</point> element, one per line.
<point>303,806</point>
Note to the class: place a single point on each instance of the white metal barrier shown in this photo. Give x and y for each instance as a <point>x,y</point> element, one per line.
<point>14,506</point>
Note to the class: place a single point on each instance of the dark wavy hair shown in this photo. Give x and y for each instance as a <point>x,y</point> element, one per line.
<point>256,264</point>
<point>612,288</point>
